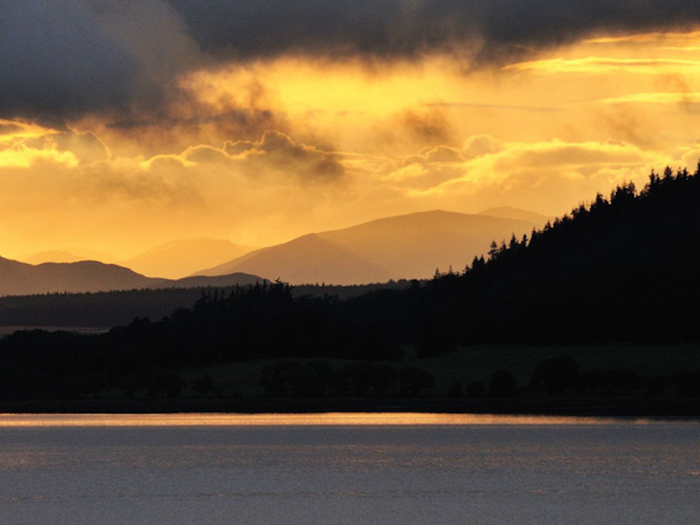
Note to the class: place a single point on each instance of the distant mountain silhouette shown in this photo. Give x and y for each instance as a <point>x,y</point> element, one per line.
<point>182,258</point>
<point>17,278</point>
<point>403,247</point>
<point>58,256</point>
<point>172,260</point>
<point>307,259</point>
<point>70,255</point>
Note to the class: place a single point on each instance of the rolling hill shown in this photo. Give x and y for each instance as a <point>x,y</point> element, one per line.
<point>17,278</point>
<point>403,247</point>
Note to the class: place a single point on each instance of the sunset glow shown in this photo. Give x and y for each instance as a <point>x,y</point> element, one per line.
<point>263,145</point>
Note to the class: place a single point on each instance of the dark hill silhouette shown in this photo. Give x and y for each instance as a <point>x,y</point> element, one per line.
<point>403,247</point>
<point>617,269</point>
<point>69,256</point>
<point>18,278</point>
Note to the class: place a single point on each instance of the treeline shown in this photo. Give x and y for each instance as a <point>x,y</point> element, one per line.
<point>618,269</point>
<point>108,309</point>
<point>100,309</point>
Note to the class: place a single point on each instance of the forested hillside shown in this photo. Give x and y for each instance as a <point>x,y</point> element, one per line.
<point>623,268</point>
<point>108,309</point>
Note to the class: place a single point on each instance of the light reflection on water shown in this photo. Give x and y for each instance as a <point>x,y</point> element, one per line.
<point>334,419</point>
<point>346,468</point>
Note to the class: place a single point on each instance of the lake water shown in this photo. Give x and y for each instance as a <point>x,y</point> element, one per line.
<point>352,468</point>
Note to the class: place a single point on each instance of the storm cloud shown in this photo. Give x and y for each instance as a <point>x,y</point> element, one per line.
<point>68,58</point>
<point>484,29</point>
<point>54,56</point>
<point>77,57</point>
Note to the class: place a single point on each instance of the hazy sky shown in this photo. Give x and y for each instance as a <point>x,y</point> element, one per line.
<point>128,124</point>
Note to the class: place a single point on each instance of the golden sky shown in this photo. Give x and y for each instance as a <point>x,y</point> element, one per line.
<point>186,137</point>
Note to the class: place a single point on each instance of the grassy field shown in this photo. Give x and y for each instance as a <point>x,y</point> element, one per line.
<point>238,389</point>
<point>478,363</point>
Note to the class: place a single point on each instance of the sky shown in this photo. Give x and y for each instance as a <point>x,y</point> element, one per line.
<point>125,125</point>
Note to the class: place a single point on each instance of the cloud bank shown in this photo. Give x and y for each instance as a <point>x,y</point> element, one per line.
<point>407,28</point>
<point>77,57</point>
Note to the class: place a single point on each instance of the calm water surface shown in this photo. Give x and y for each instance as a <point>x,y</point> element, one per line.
<point>352,468</point>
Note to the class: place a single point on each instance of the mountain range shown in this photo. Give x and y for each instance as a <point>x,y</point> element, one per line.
<point>404,247</point>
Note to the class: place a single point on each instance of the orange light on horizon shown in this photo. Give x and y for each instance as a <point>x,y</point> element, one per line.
<point>254,420</point>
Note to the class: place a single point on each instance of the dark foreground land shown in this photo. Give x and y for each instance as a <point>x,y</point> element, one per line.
<point>588,381</point>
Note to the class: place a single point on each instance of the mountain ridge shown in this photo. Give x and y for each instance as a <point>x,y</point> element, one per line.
<point>410,246</point>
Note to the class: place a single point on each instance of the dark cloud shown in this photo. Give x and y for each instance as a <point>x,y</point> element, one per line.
<point>64,59</point>
<point>249,119</point>
<point>75,57</point>
<point>55,58</point>
<point>430,126</point>
<point>169,133</point>
<point>279,150</point>
<point>10,128</point>
<point>486,29</point>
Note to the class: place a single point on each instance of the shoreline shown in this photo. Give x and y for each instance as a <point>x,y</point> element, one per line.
<point>564,406</point>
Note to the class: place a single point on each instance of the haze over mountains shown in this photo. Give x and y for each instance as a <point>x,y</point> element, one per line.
<point>403,247</point>
<point>70,255</point>
<point>171,260</point>
<point>508,212</point>
<point>178,259</point>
